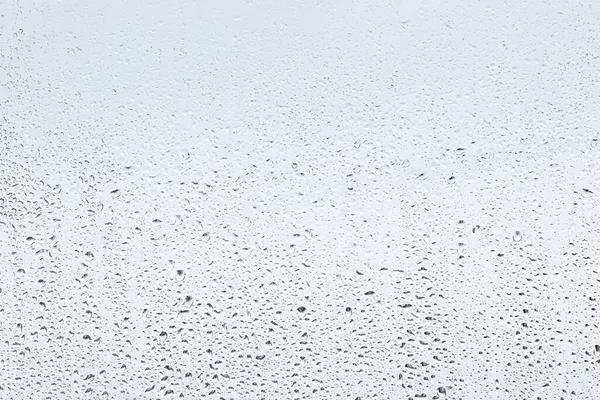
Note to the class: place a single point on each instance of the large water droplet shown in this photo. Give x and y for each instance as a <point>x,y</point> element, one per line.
<point>517,236</point>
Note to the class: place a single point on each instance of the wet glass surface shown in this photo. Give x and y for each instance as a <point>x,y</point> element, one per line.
<point>299,200</point>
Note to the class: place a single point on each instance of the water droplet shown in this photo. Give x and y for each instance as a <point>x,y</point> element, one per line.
<point>517,236</point>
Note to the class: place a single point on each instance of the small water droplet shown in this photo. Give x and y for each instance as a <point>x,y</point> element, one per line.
<point>517,236</point>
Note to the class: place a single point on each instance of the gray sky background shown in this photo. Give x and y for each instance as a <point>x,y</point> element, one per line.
<point>287,200</point>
